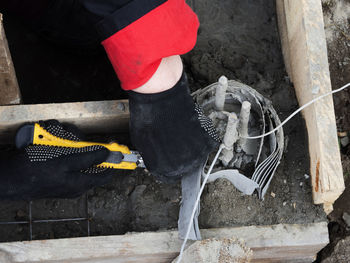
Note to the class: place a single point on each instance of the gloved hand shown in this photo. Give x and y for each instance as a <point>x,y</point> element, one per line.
<point>170,131</point>
<point>52,172</point>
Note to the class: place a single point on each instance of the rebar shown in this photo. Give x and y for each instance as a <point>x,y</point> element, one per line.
<point>32,221</point>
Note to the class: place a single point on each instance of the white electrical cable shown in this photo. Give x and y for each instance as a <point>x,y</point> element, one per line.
<point>297,111</point>
<point>222,147</point>
<point>197,202</point>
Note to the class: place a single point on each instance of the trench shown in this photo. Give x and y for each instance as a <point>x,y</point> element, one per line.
<point>238,39</point>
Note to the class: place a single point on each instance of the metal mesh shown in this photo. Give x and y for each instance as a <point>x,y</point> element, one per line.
<point>30,222</point>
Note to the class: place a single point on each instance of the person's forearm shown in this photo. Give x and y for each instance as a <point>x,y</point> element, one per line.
<point>166,76</point>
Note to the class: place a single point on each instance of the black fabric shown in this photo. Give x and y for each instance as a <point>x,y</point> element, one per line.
<point>38,171</point>
<point>124,16</point>
<point>68,23</point>
<point>166,130</point>
<point>103,8</point>
<point>79,23</point>
<point>64,23</point>
<point>116,15</point>
<point>61,177</point>
<point>28,10</point>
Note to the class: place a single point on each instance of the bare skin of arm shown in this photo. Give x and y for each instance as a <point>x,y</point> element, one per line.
<point>166,76</point>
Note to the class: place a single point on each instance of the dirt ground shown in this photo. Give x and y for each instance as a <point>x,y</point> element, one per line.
<point>337,27</point>
<point>237,38</point>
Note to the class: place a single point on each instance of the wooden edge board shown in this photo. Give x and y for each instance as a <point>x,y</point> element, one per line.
<point>282,29</point>
<point>276,243</point>
<point>305,52</point>
<point>9,90</point>
<point>90,117</point>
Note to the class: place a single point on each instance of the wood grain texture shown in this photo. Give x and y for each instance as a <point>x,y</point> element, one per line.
<point>305,52</point>
<point>282,28</point>
<point>9,90</point>
<point>90,117</point>
<point>277,243</point>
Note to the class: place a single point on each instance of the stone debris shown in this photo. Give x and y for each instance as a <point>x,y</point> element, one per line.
<point>346,218</point>
<point>340,253</point>
<point>344,141</point>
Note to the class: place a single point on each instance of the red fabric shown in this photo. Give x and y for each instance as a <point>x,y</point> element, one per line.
<point>136,51</point>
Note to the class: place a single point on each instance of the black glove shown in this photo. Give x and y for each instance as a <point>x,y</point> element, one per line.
<point>171,132</point>
<point>52,172</point>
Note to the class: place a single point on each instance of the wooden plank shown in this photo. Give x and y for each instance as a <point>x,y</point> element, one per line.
<point>216,250</point>
<point>301,22</point>
<point>282,28</point>
<point>277,243</point>
<point>90,117</point>
<point>9,90</point>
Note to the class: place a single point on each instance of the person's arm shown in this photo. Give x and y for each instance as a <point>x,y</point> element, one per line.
<point>144,41</point>
<point>166,76</point>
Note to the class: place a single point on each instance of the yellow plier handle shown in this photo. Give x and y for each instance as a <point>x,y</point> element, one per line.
<point>43,137</point>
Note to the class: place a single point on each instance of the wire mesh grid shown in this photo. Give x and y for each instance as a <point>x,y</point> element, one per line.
<point>30,222</point>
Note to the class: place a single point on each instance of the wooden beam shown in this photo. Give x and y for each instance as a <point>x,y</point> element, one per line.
<point>216,250</point>
<point>282,28</point>
<point>305,52</point>
<point>9,90</point>
<point>277,243</point>
<point>90,117</point>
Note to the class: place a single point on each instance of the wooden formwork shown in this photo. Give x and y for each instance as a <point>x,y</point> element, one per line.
<point>304,48</point>
<point>9,91</point>
<point>277,243</point>
<point>305,53</point>
<point>91,117</point>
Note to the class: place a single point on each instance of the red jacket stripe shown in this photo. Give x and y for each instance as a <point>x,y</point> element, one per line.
<point>136,50</point>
